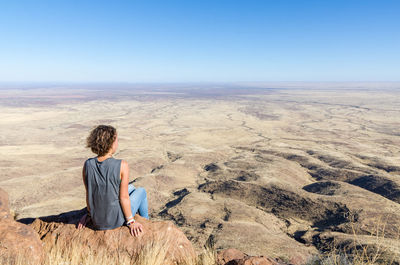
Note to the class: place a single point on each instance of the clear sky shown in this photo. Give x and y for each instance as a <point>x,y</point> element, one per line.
<point>191,41</point>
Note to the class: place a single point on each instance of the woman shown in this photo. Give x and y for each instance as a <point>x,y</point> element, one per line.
<point>111,201</point>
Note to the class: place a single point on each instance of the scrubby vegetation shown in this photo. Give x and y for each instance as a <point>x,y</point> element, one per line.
<point>154,253</point>
<point>358,252</point>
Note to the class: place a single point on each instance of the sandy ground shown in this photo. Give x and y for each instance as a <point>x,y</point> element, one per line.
<point>269,171</point>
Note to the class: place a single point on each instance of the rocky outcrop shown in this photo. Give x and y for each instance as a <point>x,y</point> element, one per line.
<point>21,242</point>
<point>16,239</point>
<point>162,236</point>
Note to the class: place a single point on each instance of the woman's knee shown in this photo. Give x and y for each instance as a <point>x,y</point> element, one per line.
<point>142,191</point>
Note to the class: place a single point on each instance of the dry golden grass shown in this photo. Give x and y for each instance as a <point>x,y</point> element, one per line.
<point>359,252</point>
<point>151,254</point>
<point>75,253</point>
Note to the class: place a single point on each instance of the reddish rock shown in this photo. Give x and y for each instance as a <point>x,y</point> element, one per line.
<point>257,261</point>
<point>17,239</point>
<point>62,229</point>
<point>297,260</point>
<point>226,255</point>
<point>233,256</point>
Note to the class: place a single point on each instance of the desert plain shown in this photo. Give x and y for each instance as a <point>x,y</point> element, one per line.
<point>284,169</point>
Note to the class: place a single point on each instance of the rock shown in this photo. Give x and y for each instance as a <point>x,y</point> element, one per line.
<point>257,261</point>
<point>17,240</point>
<point>157,234</point>
<point>233,256</point>
<point>229,254</point>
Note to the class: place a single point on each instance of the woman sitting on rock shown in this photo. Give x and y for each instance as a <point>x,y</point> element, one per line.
<point>111,200</point>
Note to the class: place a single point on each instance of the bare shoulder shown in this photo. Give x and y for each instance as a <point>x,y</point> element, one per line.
<point>124,163</point>
<point>124,166</point>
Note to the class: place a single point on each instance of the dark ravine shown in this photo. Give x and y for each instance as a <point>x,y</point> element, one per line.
<point>280,202</point>
<point>323,187</point>
<point>335,169</point>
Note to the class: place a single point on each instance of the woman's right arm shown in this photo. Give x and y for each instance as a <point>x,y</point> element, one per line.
<point>123,193</point>
<point>135,228</point>
<point>85,218</point>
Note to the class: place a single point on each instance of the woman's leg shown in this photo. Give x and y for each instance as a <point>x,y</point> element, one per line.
<point>130,188</point>
<point>138,197</point>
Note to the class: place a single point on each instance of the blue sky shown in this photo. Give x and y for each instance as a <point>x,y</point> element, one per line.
<point>199,41</point>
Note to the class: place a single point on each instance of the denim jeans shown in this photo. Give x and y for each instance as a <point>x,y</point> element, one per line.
<point>138,197</point>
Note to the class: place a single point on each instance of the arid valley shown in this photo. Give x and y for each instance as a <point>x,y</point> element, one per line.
<point>284,170</point>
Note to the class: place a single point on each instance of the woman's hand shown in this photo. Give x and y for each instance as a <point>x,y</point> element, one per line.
<point>83,221</point>
<point>136,229</point>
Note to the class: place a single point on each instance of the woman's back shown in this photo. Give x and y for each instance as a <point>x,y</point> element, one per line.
<point>103,187</point>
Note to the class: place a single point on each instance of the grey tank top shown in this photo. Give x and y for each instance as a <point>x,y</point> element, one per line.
<point>103,184</point>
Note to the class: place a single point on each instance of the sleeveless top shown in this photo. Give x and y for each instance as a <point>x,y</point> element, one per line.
<point>103,185</point>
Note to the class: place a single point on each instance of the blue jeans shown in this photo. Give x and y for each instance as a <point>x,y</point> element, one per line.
<point>138,197</point>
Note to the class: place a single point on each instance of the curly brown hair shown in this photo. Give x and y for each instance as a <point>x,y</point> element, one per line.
<point>101,139</point>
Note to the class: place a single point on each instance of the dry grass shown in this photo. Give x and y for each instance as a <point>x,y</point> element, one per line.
<point>75,253</point>
<point>359,252</point>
